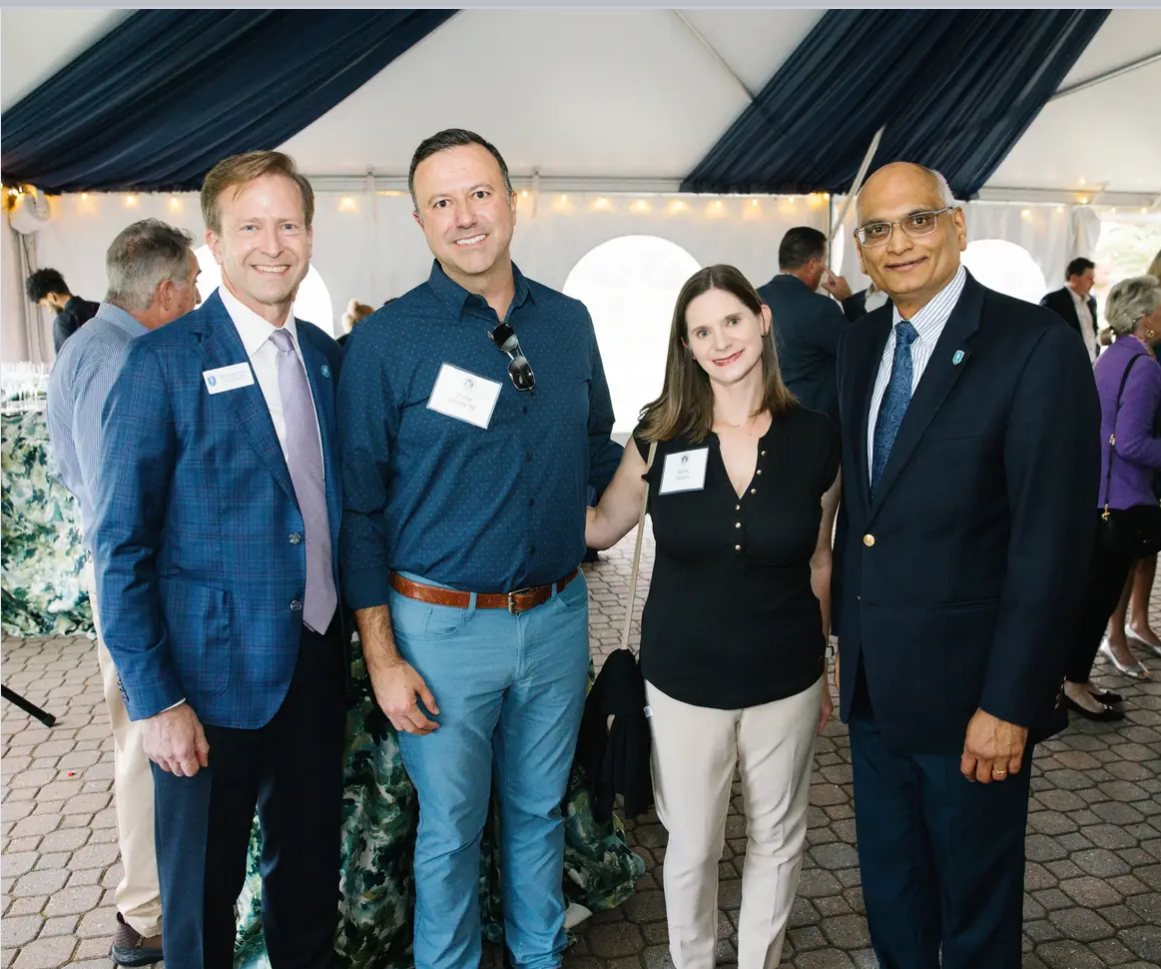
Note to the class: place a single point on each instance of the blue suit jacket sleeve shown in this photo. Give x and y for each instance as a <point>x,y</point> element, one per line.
<point>367,420</point>
<point>604,452</point>
<point>1052,462</point>
<point>136,461</point>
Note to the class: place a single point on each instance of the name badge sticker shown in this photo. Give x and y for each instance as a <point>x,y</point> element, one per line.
<point>684,471</point>
<point>228,378</point>
<point>465,396</point>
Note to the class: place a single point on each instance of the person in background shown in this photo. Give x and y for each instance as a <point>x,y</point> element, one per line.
<point>1075,304</point>
<point>1133,311</point>
<point>807,324</point>
<point>356,311</point>
<point>46,287</point>
<point>742,494</point>
<point>152,273</point>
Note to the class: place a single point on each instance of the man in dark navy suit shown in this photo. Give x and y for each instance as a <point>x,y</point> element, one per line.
<point>808,324</point>
<point>1075,304</point>
<point>971,460</point>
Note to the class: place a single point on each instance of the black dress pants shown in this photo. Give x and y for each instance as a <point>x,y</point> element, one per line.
<point>291,771</point>
<point>1107,573</point>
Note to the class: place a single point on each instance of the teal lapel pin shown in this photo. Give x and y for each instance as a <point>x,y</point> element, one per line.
<point>326,371</point>
<point>955,361</point>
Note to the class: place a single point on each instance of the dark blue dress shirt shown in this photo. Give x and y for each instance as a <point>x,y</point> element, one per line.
<point>483,510</point>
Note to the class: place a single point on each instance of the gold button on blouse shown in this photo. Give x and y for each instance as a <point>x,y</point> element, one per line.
<point>868,540</point>
<point>737,524</point>
<point>737,548</point>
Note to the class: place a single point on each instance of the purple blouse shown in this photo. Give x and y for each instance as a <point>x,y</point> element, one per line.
<point>1137,453</point>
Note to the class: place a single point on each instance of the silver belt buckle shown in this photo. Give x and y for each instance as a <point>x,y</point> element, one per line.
<point>512,600</point>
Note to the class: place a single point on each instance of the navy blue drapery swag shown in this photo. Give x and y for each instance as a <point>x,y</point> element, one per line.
<point>167,94</point>
<point>955,89</point>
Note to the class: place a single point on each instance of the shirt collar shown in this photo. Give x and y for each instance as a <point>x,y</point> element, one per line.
<point>253,330</point>
<point>930,321</point>
<point>454,296</point>
<point>121,319</point>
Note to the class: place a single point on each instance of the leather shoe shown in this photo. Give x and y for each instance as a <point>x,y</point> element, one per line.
<point>1107,715</point>
<point>131,948</point>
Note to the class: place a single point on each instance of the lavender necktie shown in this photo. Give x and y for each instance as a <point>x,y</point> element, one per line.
<point>304,459</point>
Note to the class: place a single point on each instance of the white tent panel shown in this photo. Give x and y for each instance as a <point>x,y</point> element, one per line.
<point>589,93</point>
<point>39,41</point>
<point>1103,135</point>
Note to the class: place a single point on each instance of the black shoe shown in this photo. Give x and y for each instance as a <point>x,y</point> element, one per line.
<point>1108,697</point>
<point>1107,715</point>
<point>130,948</point>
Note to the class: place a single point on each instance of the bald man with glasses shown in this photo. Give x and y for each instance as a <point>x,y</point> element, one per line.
<point>970,427</point>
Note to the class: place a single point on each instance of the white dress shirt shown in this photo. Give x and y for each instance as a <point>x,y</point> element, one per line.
<point>255,333</point>
<point>1087,323</point>
<point>929,323</point>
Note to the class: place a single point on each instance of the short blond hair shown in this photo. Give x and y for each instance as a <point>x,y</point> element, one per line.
<point>239,170</point>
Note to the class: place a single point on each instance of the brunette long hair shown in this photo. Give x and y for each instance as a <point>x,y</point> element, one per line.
<point>686,404</point>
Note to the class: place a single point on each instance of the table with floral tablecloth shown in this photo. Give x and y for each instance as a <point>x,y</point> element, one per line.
<point>42,596</point>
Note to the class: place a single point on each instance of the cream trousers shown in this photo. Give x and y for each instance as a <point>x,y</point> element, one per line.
<point>695,753</point>
<point>138,896</point>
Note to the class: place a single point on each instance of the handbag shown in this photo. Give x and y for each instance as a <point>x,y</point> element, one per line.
<point>1135,531</point>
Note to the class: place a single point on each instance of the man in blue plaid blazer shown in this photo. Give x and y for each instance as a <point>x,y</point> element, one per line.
<point>217,511</point>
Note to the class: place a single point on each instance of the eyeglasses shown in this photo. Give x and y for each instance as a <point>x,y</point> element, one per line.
<point>519,370</point>
<point>915,225</point>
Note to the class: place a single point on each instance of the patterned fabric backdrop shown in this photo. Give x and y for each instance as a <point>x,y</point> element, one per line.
<point>43,555</point>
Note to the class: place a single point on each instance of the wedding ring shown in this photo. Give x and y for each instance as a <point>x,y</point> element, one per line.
<point>996,772</point>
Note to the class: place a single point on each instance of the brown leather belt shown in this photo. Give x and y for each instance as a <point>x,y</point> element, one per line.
<point>519,600</point>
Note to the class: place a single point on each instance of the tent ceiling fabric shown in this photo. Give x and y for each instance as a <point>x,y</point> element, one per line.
<point>586,93</point>
<point>953,89</point>
<point>1104,134</point>
<point>166,94</point>
<point>630,94</point>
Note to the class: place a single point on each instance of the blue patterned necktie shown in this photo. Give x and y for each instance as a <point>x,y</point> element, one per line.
<point>305,462</point>
<point>895,400</point>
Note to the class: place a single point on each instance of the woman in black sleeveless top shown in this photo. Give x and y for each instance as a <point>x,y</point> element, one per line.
<point>742,494</point>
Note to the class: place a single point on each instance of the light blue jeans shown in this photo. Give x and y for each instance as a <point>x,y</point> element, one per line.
<point>510,691</point>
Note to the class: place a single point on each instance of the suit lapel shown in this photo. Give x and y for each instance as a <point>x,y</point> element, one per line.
<point>949,360</point>
<point>322,388</point>
<point>864,386</point>
<point>221,347</point>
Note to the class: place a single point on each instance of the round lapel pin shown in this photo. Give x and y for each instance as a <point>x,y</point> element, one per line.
<point>326,371</point>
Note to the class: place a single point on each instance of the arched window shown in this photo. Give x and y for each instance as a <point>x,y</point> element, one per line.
<point>313,303</point>
<point>630,285</point>
<point>1006,267</point>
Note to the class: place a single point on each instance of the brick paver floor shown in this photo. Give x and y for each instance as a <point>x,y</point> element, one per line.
<point>1093,886</point>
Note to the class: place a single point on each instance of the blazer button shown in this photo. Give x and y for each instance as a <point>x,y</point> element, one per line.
<point>295,538</point>
<point>295,605</point>
<point>868,540</point>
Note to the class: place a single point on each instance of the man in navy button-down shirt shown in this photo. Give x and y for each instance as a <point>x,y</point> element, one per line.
<point>461,480</point>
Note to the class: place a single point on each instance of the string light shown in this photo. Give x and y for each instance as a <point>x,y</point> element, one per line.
<point>130,201</point>
<point>347,204</point>
<point>601,205</point>
<point>1027,213</point>
<point>641,206</point>
<point>677,206</point>
<point>84,196</point>
<point>1060,208</point>
<point>174,203</point>
<point>1083,199</point>
<point>524,194</point>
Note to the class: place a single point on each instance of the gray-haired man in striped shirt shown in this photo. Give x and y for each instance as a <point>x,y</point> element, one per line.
<point>152,273</point>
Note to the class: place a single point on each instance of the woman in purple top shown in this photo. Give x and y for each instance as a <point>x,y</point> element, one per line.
<point>1133,312</point>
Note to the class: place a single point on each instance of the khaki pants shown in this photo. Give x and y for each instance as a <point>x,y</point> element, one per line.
<point>138,896</point>
<point>695,752</point>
